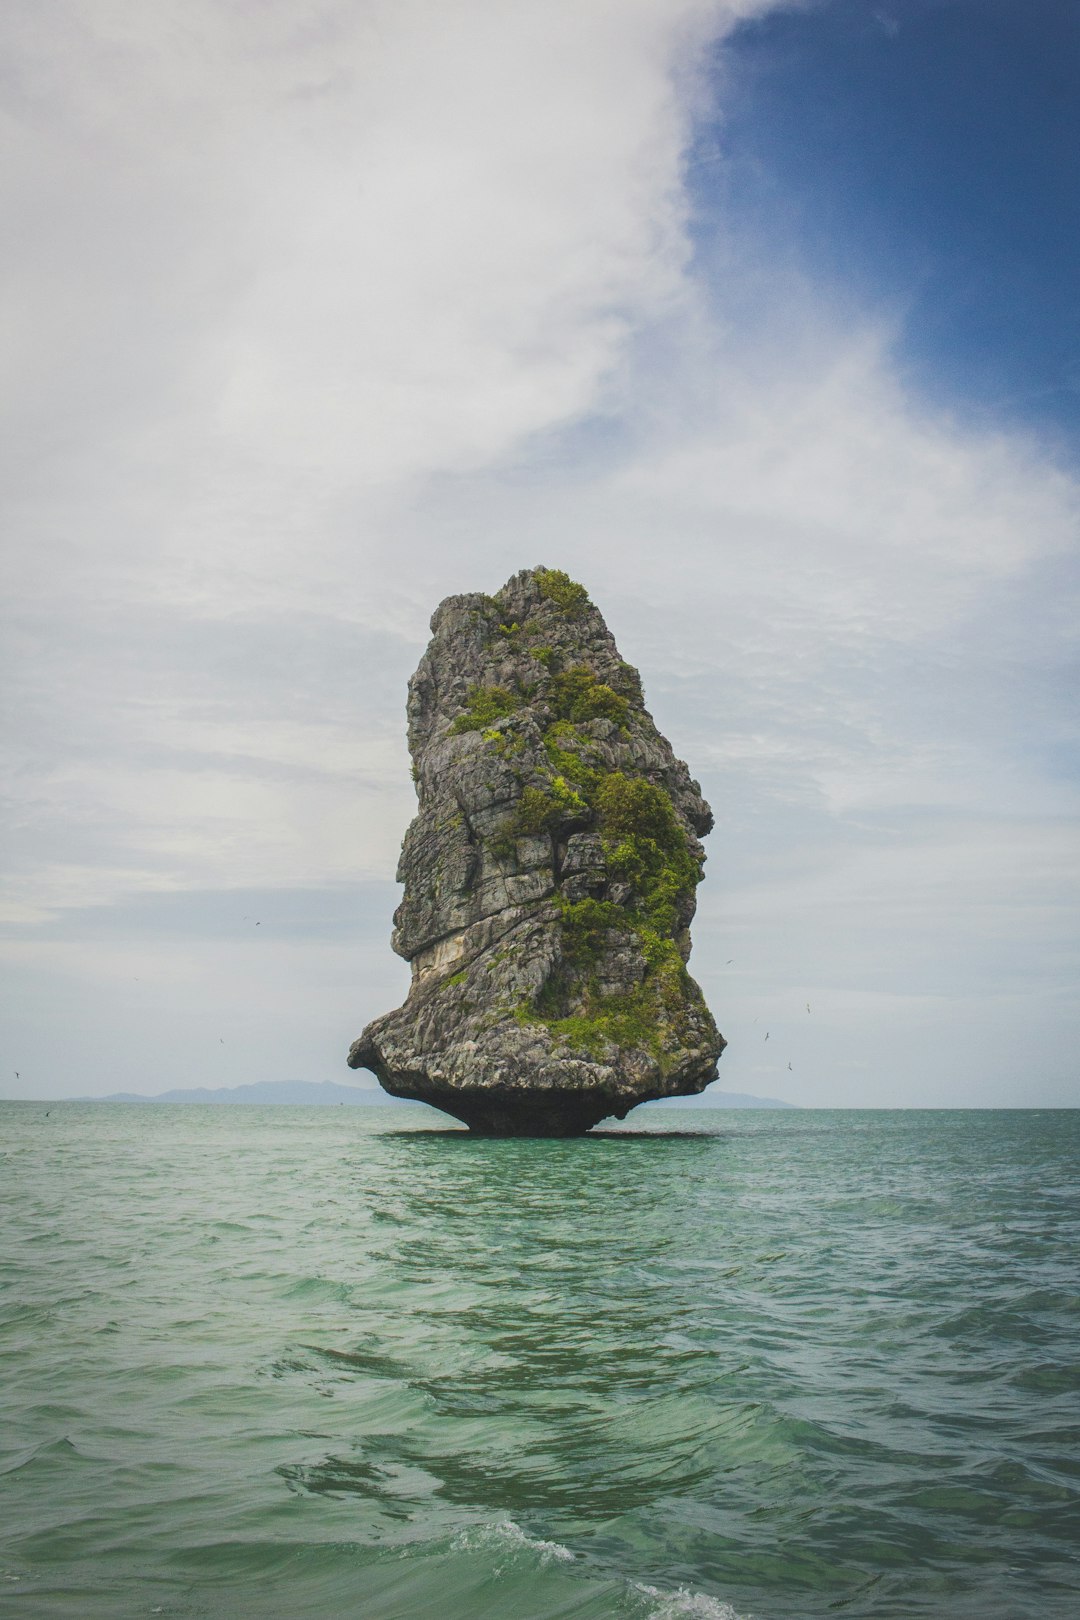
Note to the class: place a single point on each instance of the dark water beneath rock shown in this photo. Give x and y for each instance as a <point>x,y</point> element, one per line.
<point>332,1362</point>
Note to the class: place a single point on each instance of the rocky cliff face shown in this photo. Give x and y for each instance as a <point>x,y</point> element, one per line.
<point>549,877</point>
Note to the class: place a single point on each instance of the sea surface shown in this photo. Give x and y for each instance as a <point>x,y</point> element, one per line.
<point>291,1363</point>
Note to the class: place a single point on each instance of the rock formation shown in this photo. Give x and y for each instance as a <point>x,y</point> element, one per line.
<point>549,877</point>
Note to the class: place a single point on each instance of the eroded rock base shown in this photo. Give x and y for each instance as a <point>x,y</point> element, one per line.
<point>489,1114</point>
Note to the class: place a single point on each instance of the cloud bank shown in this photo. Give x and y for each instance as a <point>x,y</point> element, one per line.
<point>318,312</point>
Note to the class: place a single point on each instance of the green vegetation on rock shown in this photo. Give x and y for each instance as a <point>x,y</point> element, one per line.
<point>651,1017</point>
<point>540,812</point>
<point>645,847</point>
<point>628,684</point>
<point>557,586</point>
<point>575,694</point>
<point>486,704</point>
<point>565,749</point>
<point>537,812</point>
<point>586,925</point>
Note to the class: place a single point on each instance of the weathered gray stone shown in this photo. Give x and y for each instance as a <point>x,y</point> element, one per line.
<point>548,877</point>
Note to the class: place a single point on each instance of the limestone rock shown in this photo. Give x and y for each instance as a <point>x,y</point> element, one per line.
<point>549,877</point>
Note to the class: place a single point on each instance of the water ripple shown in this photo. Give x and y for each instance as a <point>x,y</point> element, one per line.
<point>303,1362</point>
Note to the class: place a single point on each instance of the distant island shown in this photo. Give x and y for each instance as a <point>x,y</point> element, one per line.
<point>721,1099</point>
<point>327,1093</point>
<point>302,1093</point>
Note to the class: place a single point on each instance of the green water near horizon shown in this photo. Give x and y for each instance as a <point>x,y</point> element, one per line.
<point>292,1362</point>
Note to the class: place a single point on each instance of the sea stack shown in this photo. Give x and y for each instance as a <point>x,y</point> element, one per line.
<point>549,876</point>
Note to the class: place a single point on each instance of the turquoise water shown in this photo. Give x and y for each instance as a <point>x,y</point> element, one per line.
<point>345,1362</point>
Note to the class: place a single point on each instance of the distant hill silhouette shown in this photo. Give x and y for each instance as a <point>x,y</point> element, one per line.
<point>305,1093</point>
<point>327,1093</point>
<point>711,1098</point>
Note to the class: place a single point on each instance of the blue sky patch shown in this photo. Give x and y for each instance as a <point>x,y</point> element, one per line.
<point>922,154</point>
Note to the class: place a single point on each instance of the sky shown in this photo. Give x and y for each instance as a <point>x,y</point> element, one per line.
<point>759,319</point>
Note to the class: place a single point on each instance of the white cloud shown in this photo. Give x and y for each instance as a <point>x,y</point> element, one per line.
<point>321,311</point>
<point>282,258</point>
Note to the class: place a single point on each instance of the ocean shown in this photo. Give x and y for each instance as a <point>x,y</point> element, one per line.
<point>314,1362</point>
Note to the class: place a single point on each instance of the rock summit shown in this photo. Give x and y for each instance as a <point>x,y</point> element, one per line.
<point>549,874</point>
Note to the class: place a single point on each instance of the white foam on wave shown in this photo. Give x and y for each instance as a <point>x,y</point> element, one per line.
<point>506,1536</point>
<point>504,1539</point>
<point>683,1604</point>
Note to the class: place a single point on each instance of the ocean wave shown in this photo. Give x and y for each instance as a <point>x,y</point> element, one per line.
<point>684,1604</point>
<point>506,1536</point>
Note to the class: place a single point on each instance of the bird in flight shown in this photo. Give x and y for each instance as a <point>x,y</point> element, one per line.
<point>808,1006</point>
<point>789,1065</point>
<point>766,1034</point>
